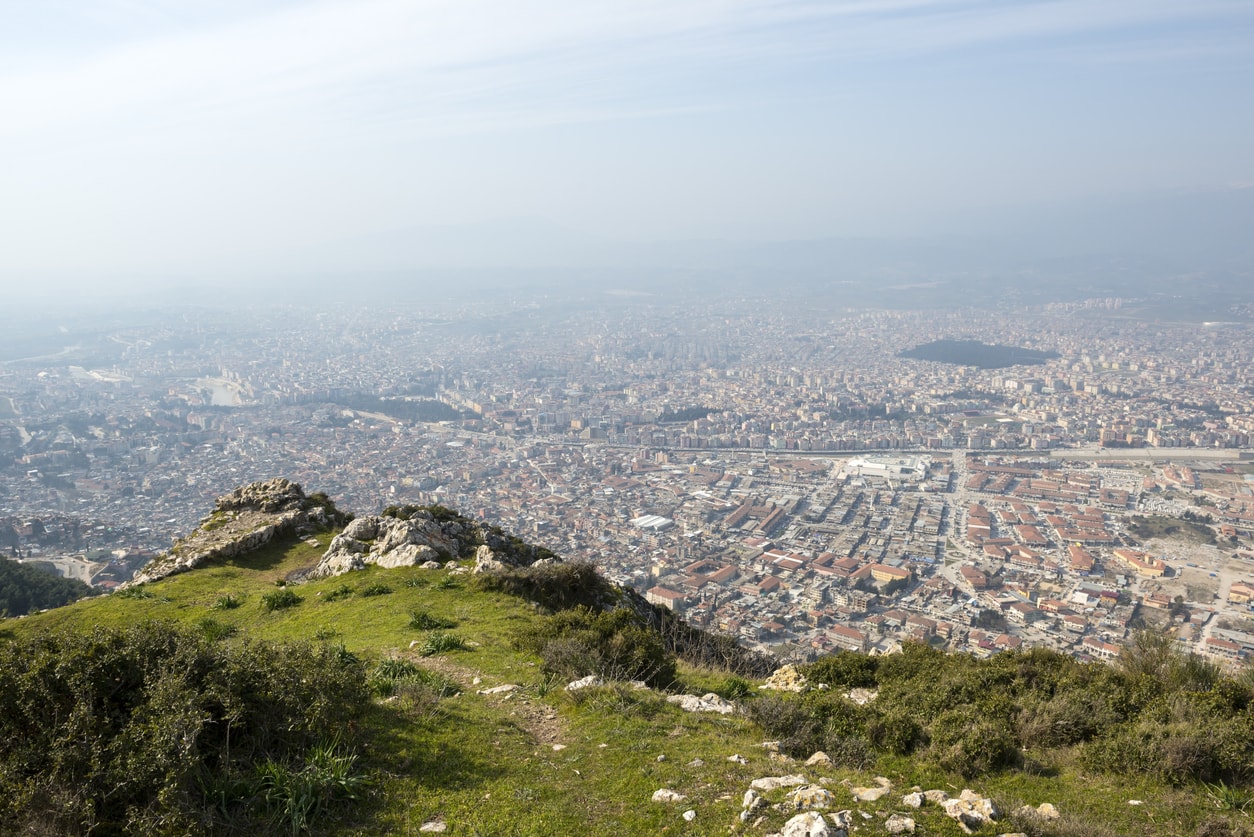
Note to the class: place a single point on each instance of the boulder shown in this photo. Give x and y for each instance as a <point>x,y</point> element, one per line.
<point>899,824</point>
<point>812,797</point>
<point>706,703</point>
<point>809,824</point>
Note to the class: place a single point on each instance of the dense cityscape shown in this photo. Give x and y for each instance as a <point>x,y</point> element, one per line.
<point>775,471</point>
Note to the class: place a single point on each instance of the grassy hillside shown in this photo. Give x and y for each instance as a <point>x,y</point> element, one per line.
<point>429,746</point>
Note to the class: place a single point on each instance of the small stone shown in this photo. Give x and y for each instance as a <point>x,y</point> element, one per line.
<point>899,824</point>
<point>812,797</point>
<point>434,827</point>
<point>819,758</point>
<point>557,748</point>
<point>498,690</point>
<point>668,795</point>
<point>662,757</point>
<point>770,783</point>
<point>1135,802</point>
<point>809,824</point>
<point>737,758</point>
<point>706,703</point>
<point>914,800</point>
<point>696,763</point>
<point>585,682</point>
<point>936,797</point>
<point>690,815</point>
<point>1047,811</point>
<point>751,800</point>
<point>868,794</point>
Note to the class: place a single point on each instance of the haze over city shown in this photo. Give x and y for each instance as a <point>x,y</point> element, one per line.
<point>165,146</point>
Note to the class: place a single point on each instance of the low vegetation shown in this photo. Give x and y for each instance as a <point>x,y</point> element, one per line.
<point>169,711</point>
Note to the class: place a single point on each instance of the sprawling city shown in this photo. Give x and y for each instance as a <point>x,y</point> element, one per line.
<point>1059,474</point>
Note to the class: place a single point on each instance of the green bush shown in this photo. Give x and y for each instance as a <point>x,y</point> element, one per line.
<point>226,602</point>
<point>341,592</point>
<point>440,642</point>
<point>279,600</point>
<point>844,669</point>
<point>423,621</point>
<point>375,590</point>
<point>156,729</point>
<point>613,644</point>
<point>555,586</point>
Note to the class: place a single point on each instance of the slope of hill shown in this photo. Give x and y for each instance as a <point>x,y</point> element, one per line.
<point>431,697</point>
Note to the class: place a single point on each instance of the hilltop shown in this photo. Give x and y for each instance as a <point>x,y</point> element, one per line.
<point>287,668</point>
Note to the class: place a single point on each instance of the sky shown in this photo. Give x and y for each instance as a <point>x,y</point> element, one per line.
<point>174,137</point>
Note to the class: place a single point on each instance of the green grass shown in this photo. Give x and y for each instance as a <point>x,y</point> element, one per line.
<point>431,747</point>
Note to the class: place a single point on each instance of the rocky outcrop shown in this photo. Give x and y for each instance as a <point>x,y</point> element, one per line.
<point>390,542</point>
<point>786,679</point>
<point>244,520</point>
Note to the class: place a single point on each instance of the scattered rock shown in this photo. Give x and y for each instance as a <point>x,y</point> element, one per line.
<point>809,824</point>
<point>690,815</point>
<point>661,757</point>
<point>557,748</point>
<point>668,795</point>
<point>786,679</point>
<point>696,763</point>
<point>706,703</point>
<point>737,758</point>
<point>936,797</point>
<point>434,827</point>
<point>971,810</point>
<point>812,797</point>
<point>899,824</point>
<point>819,758</point>
<point>499,690</point>
<point>870,794</point>
<point>914,800</point>
<point>1043,812</point>
<point>585,682</point>
<point>770,783</point>
<point>862,696</point>
<point>752,801</point>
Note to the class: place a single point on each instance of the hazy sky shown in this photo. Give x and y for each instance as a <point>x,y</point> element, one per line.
<point>158,136</point>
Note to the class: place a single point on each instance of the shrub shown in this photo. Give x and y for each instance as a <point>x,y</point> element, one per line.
<point>554,586</point>
<point>214,630</point>
<point>613,644</point>
<point>279,600</point>
<point>375,590</point>
<point>423,621</point>
<point>226,602</point>
<point>155,729</point>
<point>787,719</point>
<point>846,669</point>
<point>341,592</point>
<point>440,642</point>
